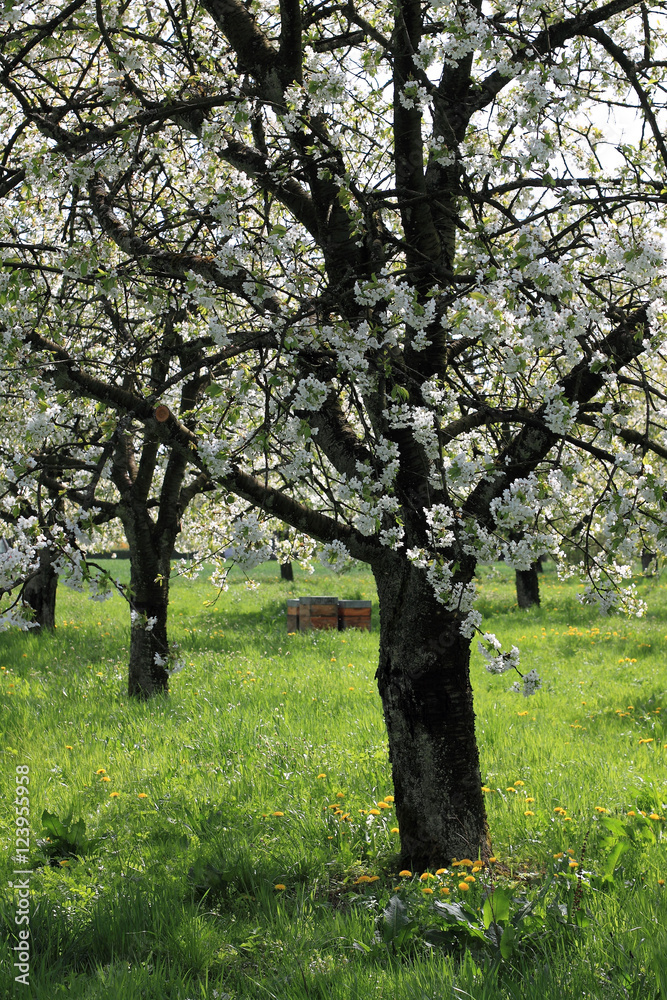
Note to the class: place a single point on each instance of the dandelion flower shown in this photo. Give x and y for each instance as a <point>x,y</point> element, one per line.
<point>467,862</point>
<point>519,784</point>
<point>340,795</point>
<point>114,795</point>
<point>321,776</point>
<point>463,886</point>
<point>654,816</point>
<point>661,881</point>
<point>405,873</point>
<point>389,798</point>
<point>559,855</point>
<point>470,878</point>
<point>374,812</point>
<point>362,878</point>
<point>68,747</point>
<point>485,788</point>
<point>374,878</point>
<point>445,891</point>
<point>142,795</point>
<point>441,871</point>
<point>105,778</point>
<point>529,799</point>
<point>573,864</point>
<point>427,891</point>
<point>601,809</point>
<point>493,860</point>
<point>100,770</point>
<point>394,829</point>
<point>528,812</point>
<point>279,885</point>
<point>631,812</point>
<point>277,813</point>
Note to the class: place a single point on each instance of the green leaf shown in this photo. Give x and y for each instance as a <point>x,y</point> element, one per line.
<point>616,826</point>
<point>214,390</point>
<point>396,919</point>
<point>614,857</point>
<point>507,941</point>
<point>496,907</point>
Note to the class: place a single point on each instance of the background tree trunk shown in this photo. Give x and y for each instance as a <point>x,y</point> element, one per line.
<point>150,566</point>
<point>39,592</point>
<point>424,682</point>
<point>528,586</point>
<point>286,571</point>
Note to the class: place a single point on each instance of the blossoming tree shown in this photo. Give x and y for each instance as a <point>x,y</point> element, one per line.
<point>440,222</point>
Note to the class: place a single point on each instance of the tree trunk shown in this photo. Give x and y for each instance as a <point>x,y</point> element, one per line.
<point>150,564</point>
<point>39,592</point>
<point>528,586</point>
<point>424,682</point>
<point>286,571</point>
<point>649,562</point>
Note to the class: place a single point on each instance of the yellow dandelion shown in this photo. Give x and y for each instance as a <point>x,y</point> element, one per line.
<point>405,873</point>
<point>427,891</point>
<point>394,829</point>
<point>661,881</point>
<point>485,788</point>
<point>68,747</point>
<point>467,862</point>
<point>340,795</point>
<point>383,805</point>
<point>601,809</point>
<point>374,878</point>
<point>573,864</point>
<point>441,871</point>
<point>105,778</point>
<point>374,812</point>
<point>470,878</point>
<point>528,812</point>
<point>114,795</point>
<point>529,799</point>
<point>321,776</point>
<point>654,816</point>
<point>142,795</point>
<point>63,863</point>
<point>389,798</point>
<point>493,860</point>
<point>559,854</point>
<point>631,812</point>
<point>519,784</point>
<point>279,885</point>
<point>100,770</point>
<point>277,813</point>
<point>362,878</point>
<point>463,886</point>
<point>560,810</point>
<point>445,891</point>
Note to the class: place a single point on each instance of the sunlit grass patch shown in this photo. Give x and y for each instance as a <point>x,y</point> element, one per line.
<point>266,767</point>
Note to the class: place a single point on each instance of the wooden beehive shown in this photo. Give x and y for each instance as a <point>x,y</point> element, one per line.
<point>318,612</point>
<point>354,614</point>
<point>293,615</point>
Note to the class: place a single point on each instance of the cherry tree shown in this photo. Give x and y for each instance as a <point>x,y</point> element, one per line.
<point>428,236</point>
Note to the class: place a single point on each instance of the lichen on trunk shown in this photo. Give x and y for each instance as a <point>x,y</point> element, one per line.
<point>424,682</point>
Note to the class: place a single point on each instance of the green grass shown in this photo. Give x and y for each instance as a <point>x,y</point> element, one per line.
<point>178,900</point>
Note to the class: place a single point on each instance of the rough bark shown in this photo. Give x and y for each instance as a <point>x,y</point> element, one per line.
<point>528,586</point>
<point>39,592</point>
<point>424,682</point>
<point>149,584</point>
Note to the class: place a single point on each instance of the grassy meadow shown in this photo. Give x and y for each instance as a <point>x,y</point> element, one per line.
<point>238,838</point>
